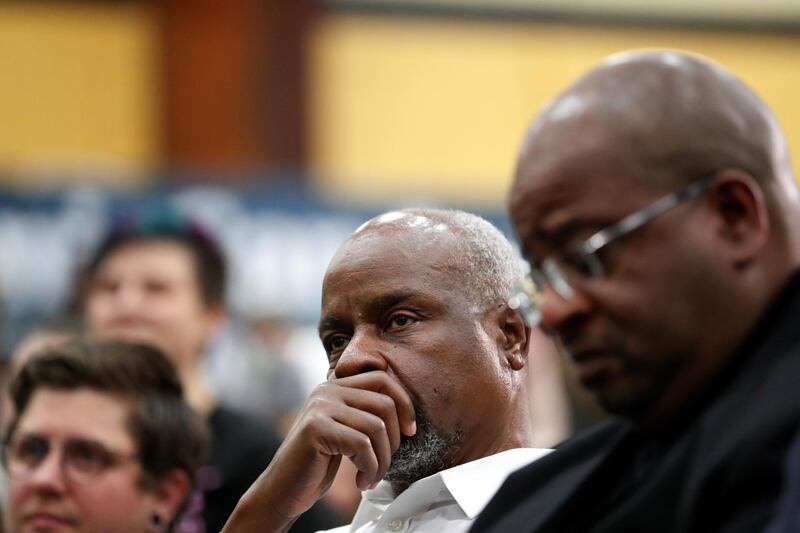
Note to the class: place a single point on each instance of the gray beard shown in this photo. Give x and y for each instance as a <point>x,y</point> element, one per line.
<point>429,451</point>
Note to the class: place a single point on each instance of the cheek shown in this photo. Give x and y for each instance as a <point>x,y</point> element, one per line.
<point>105,506</point>
<point>98,309</point>
<point>465,384</point>
<point>18,493</point>
<point>650,324</point>
<point>188,314</point>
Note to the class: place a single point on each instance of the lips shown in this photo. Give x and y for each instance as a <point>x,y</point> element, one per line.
<point>46,521</point>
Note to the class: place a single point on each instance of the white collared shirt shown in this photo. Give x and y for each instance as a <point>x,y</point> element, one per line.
<point>447,501</point>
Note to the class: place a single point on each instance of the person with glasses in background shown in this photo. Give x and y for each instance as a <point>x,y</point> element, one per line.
<point>101,441</point>
<point>159,278</point>
<point>656,204</point>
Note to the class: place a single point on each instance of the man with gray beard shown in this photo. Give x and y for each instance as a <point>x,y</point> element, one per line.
<point>426,392</point>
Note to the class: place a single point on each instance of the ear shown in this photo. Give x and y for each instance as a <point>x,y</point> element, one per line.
<point>742,214</point>
<point>215,316</point>
<point>169,493</point>
<point>515,334</point>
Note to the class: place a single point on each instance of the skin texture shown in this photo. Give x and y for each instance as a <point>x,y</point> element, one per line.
<point>407,343</point>
<point>147,291</point>
<point>653,335</point>
<point>116,500</point>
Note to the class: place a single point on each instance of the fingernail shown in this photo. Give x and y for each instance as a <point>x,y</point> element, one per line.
<point>414,427</point>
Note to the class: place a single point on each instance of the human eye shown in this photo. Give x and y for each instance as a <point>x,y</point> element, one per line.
<point>576,261</point>
<point>88,457</point>
<point>106,285</point>
<point>29,451</point>
<point>335,343</point>
<point>156,286</point>
<point>400,320</point>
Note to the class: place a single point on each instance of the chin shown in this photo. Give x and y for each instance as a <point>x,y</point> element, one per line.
<point>620,401</point>
<point>424,454</point>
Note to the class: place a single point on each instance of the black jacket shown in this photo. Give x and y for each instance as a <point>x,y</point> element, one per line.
<point>719,470</point>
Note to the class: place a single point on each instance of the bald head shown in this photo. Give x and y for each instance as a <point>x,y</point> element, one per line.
<point>479,254</point>
<point>680,173</point>
<point>420,295</point>
<point>682,115</point>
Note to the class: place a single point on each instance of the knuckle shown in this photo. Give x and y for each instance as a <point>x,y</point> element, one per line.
<point>315,404</point>
<point>388,403</point>
<point>364,443</point>
<point>376,425</point>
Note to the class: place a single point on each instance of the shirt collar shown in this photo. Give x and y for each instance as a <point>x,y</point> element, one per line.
<point>471,485</point>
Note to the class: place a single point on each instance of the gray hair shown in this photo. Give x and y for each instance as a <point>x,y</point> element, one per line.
<point>484,256</point>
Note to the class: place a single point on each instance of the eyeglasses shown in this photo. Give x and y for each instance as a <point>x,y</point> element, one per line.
<point>81,460</point>
<point>565,270</point>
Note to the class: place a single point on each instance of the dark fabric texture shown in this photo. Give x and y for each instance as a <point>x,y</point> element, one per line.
<point>241,449</point>
<point>787,519</point>
<point>719,469</point>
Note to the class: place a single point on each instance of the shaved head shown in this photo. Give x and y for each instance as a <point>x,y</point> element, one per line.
<point>420,294</point>
<point>631,134</point>
<point>682,114</point>
<point>671,116</point>
<point>482,256</point>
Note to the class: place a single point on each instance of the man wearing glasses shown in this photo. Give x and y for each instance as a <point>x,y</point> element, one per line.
<point>102,441</point>
<point>656,204</point>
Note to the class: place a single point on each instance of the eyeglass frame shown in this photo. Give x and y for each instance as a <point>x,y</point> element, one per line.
<point>112,458</point>
<point>529,291</point>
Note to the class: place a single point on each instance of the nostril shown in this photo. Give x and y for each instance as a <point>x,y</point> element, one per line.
<point>557,312</point>
<point>356,366</point>
<point>359,357</point>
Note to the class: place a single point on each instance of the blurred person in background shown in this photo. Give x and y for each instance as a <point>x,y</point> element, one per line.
<point>160,279</point>
<point>44,335</point>
<point>656,203</point>
<point>250,369</point>
<point>427,389</point>
<point>102,440</point>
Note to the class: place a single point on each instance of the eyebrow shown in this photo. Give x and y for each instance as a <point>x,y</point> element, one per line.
<point>329,322</point>
<point>391,299</point>
<point>373,307</point>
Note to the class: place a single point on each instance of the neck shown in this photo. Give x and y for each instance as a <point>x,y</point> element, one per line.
<point>197,392</point>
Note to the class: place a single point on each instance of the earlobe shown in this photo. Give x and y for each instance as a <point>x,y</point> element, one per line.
<point>743,215</point>
<point>516,336</point>
<point>156,523</point>
<point>169,493</point>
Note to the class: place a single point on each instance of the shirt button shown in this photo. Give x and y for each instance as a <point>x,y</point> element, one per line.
<point>395,525</point>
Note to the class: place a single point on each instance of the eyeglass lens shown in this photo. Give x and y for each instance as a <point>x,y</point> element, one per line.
<point>81,460</point>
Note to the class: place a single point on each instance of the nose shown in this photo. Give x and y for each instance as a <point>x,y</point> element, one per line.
<point>557,312</point>
<point>127,298</point>
<point>49,475</point>
<point>362,354</point>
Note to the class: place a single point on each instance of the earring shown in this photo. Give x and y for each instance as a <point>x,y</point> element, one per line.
<point>156,521</point>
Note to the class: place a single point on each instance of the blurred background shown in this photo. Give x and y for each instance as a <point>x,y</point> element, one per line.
<point>284,125</point>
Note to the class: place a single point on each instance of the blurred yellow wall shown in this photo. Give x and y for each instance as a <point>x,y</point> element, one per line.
<point>409,106</point>
<point>78,90</point>
<point>431,107</point>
